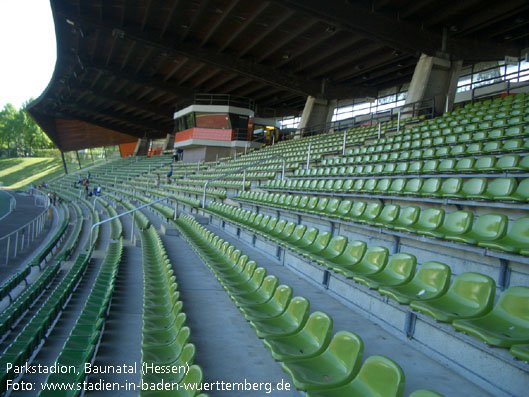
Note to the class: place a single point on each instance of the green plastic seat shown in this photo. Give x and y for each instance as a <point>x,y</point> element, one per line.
<point>273,307</point>
<point>407,217</point>
<point>474,188</point>
<point>470,295</point>
<point>382,186</point>
<point>353,253</point>
<point>320,243</point>
<point>516,240</point>
<point>379,376</point>
<point>430,187</point>
<point>288,323</point>
<point>485,164</point>
<point>373,261</point>
<point>357,210</point>
<point>398,184</point>
<point>430,281</point>
<point>261,295</point>
<point>488,228</point>
<point>334,249</point>
<point>451,187</point>
<point>508,322</point>
<point>308,238</point>
<point>399,270</point>
<point>413,186</point>
<point>501,189</point>
<point>522,191</point>
<point>521,352</point>
<point>465,164</point>
<point>508,162</point>
<point>429,221</point>
<point>310,341</point>
<point>344,208</point>
<point>336,366</point>
<point>370,213</point>
<point>389,214</point>
<point>166,354</point>
<point>425,393</point>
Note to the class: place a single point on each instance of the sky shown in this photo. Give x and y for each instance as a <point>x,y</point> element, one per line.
<point>27,42</point>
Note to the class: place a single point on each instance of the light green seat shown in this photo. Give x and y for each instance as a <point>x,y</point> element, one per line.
<point>399,270</point>
<point>455,223</point>
<point>261,295</point>
<point>389,214</point>
<point>373,261</point>
<point>344,208</point>
<point>308,238</point>
<point>501,188</point>
<point>516,240</point>
<point>353,253</point>
<point>370,213</point>
<point>429,221</point>
<point>397,186</point>
<point>465,164</point>
<point>474,188</point>
<point>425,393</point>
<point>430,187</point>
<point>522,191</point>
<point>446,165</point>
<point>451,187</point>
<point>407,217</point>
<point>357,210</point>
<point>379,376</point>
<point>413,186</point>
<point>310,341</point>
<point>320,243</point>
<point>334,249</point>
<point>382,186</point>
<point>485,164</point>
<point>470,295</point>
<point>288,323</point>
<point>336,366</point>
<point>273,307</point>
<point>508,162</point>
<point>430,281</point>
<point>521,352</point>
<point>508,322</point>
<point>488,228</point>
<point>166,354</point>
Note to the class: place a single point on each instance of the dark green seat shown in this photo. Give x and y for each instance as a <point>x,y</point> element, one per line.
<point>370,213</point>
<point>373,261</point>
<point>336,366</point>
<point>516,240</point>
<point>488,228</point>
<point>508,322</point>
<point>357,210</point>
<point>310,341</point>
<point>470,295</point>
<point>522,191</point>
<point>288,323</point>
<point>399,270</point>
<point>429,282</point>
<point>344,208</point>
<point>407,217</point>
<point>379,376</point>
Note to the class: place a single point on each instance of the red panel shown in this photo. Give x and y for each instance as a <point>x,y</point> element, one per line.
<point>127,149</point>
<point>204,133</point>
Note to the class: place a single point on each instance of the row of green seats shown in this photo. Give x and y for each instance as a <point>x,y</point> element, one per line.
<point>389,165</point>
<point>29,338</point>
<point>316,363</point>
<point>409,150</point>
<point>81,343</point>
<point>494,189</point>
<point>219,193</point>
<point>13,281</point>
<point>489,231</point>
<point>467,302</point>
<point>9,316</point>
<point>164,335</point>
<point>73,238</point>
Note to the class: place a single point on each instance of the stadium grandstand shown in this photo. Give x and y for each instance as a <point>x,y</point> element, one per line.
<point>314,198</point>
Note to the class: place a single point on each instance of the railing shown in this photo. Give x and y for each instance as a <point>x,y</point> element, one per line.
<point>15,242</point>
<point>424,107</point>
<point>244,174</point>
<point>133,212</point>
<point>224,100</point>
<point>12,205</point>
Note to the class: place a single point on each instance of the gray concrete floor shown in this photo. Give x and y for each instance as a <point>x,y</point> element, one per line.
<point>227,348</point>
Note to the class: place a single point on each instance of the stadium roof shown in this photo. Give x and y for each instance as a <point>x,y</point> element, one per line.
<point>124,66</point>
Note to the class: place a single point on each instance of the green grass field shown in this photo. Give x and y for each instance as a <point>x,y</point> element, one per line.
<point>17,173</point>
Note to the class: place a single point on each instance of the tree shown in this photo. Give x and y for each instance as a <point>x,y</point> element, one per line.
<point>19,134</point>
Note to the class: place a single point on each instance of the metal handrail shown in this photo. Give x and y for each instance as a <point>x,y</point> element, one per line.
<point>244,175</point>
<point>119,216</point>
